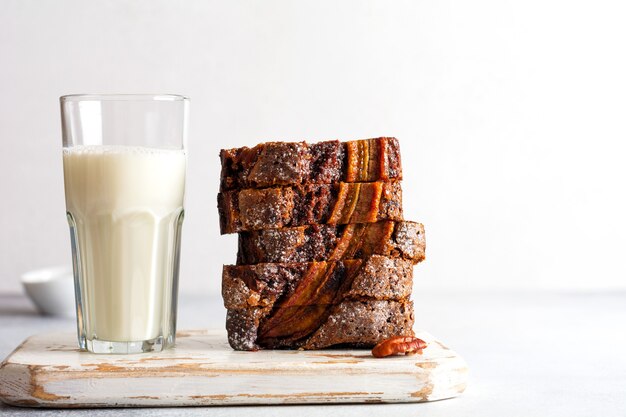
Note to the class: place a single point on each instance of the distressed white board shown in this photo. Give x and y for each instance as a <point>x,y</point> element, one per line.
<point>49,371</point>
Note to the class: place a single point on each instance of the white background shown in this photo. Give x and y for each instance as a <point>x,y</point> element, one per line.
<point>511,117</point>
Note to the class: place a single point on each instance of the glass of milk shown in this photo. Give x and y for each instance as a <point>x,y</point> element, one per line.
<point>124,164</point>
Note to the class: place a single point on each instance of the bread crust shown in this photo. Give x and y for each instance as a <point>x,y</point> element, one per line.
<point>274,284</point>
<point>294,163</point>
<point>359,324</point>
<point>315,243</point>
<point>339,203</point>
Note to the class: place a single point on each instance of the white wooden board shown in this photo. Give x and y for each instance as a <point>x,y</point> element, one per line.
<point>49,371</point>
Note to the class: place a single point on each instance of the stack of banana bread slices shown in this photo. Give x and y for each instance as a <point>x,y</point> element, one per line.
<point>325,257</point>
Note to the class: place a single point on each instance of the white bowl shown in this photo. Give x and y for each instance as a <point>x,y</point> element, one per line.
<point>51,290</point>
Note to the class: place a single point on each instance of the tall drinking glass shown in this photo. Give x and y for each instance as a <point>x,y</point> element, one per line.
<point>124,164</point>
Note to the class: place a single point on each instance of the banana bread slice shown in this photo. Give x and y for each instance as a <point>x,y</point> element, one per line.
<point>326,242</point>
<point>293,163</point>
<point>361,323</point>
<point>285,285</point>
<point>339,203</point>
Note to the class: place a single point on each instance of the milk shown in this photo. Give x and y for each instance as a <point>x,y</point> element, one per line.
<point>125,209</point>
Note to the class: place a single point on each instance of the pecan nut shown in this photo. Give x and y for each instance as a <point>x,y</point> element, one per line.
<point>397,345</point>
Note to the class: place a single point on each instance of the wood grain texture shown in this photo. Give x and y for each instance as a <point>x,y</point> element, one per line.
<point>49,371</point>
